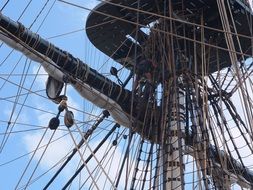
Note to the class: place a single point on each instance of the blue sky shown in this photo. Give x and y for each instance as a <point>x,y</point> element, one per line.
<point>32,113</point>
<point>61,19</point>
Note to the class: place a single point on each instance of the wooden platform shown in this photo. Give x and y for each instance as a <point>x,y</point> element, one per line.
<point>111,22</point>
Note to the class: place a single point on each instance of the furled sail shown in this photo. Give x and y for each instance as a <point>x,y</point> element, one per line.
<point>59,64</point>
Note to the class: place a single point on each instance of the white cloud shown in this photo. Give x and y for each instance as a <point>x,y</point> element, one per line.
<point>251,4</point>
<point>58,150</point>
<point>55,151</point>
<point>75,13</point>
<point>21,118</point>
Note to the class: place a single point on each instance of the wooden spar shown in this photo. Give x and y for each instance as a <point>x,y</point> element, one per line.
<point>88,82</point>
<point>123,17</point>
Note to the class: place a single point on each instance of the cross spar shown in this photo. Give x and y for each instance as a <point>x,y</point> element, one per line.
<point>89,83</point>
<point>57,63</point>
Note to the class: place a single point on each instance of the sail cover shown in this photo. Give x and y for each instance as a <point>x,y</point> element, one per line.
<point>53,87</point>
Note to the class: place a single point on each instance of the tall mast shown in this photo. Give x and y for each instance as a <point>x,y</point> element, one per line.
<point>116,99</point>
<point>174,146</point>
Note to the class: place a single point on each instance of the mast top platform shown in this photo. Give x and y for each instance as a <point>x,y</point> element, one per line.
<point>117,27</point>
